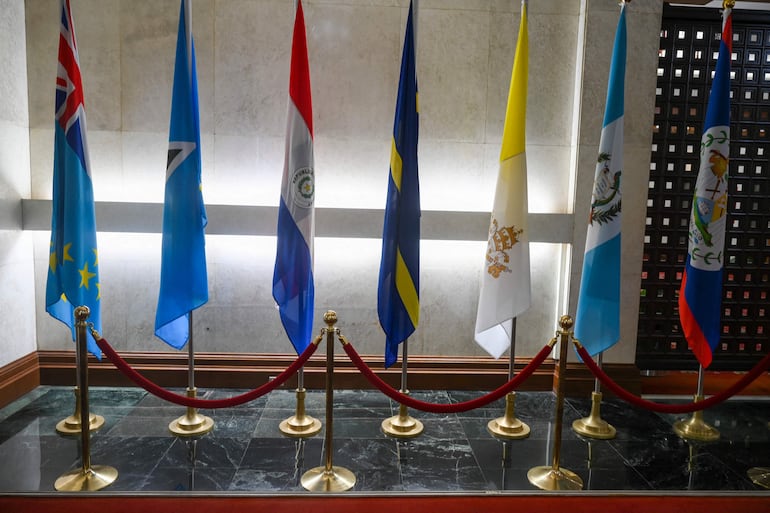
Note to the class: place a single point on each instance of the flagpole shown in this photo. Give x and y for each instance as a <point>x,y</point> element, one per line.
<point>594,426</point>
<point>508,427</point>
<point>696,428</point>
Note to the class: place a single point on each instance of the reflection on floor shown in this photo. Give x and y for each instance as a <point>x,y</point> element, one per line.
<point>246,451</point>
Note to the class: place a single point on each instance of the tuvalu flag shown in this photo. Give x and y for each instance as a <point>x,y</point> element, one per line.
<point>293,287</point>
<point>597,323</point>
<point>398,292</point>
<point>183,278</point>
<point>505,288</point>
<point>73,276</point>
<point>700,295</point>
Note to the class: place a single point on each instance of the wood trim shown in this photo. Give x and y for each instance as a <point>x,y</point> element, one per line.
<point>19,377</point>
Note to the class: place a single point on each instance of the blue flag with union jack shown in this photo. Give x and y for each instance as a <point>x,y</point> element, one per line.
<point>398,294</point>
<point>73,277</point>
<point>183,277</point>
<point>700,295</point>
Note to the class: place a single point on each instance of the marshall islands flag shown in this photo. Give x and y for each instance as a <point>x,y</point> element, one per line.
<point>183,278</point>
<point>293,288</point>
<point>73,277</point>
<point>505,288</point>
<point>597,322</point>
<point>700,294</point>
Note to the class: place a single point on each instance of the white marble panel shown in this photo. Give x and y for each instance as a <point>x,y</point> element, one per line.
<point>548,173</point>
<point>144,165</point>
<point>452,176</point>
<point>17,298</point>
<point>13,82</point>
<point>252,56</point>
<point>106,154</point>
<point>42,24</point>
<point>453,60</point>
<point>239,175</point>
<point>41,161</point>
<point>14,160</point>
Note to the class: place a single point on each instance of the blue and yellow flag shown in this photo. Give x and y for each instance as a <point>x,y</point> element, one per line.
<point>398,300</point>
<point>183,280</point>
<point>73,277</point>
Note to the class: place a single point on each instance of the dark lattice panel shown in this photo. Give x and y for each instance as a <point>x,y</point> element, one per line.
<point>689,45</point>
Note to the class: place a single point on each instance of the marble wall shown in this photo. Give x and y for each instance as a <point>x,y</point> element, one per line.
<point>17,301</point>
<point>465,53</point>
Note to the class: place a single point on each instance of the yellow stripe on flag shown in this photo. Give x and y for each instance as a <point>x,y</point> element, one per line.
<point>395,165</point>
<point>516,112</point>
<point>407,290</point>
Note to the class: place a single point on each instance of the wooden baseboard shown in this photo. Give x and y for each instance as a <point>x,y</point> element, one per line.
<point>18,377</point>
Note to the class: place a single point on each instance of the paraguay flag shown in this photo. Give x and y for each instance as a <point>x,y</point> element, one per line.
<point>597,323</point>
<point>505,287</point>
<point>293,275</point>
<point>183,280</point>
<point>701,292</point>
<point>73,277</point>
<point>398,293</point>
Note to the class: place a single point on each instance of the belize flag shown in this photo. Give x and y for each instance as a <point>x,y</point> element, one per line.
<point>700,294</point>
<point>597,322</point>
<point>73,277</point>
<point>398,292</point>
<point>293,288</point>
<point>183,279</point>
<point>505,289</point>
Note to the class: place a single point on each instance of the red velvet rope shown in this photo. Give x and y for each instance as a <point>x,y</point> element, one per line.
<point>672,408</point>
<point>446,408</point>
<point>154,389</point>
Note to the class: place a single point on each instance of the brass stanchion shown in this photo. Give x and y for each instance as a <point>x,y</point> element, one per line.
<point>402,425</point>
<point>301,425</point>
<point>191,423</point>
<point>329,478</point>
<point>508,427</point>
<point>89,478</point>
<point>696,428</point>
<point>554,477</point>
<point>71,425</point>
<point>594,426</point>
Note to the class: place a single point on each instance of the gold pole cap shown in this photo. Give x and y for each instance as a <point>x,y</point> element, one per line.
<point>330,318</point>
<point>566,322</point>
<point>728,4</point>
<point>82,313</point>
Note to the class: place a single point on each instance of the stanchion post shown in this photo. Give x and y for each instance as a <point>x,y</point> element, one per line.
<point>554,477</point>
<point>88,478</point>
<point>329,478</point>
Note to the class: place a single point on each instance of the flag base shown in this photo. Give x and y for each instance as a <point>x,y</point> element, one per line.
<point>508,427</point>
<point>86,480</point>
<point>335,479</point>
<point>71,425</point>
<point>402,425</point>
<point>760,476</point>
<point>550,478</point>
<point>696,428</point>
<point>300,425</point>
<point>191,423</point>
<point>594,426</point>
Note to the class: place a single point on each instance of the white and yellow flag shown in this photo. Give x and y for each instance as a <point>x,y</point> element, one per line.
<point>505,289</point>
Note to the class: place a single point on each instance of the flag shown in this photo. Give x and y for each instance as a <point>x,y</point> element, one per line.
<point>597,323</point>
<point>505,288</point>
<point>700,294</point>
<point>293,288</point>
<point>73,276</point>
<point>398,291</point>
<point>183,280</point>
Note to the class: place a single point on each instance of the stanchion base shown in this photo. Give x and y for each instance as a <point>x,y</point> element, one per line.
<point>548,478</point>
<point>300,427</point>
<point>402,426</point>
<point>191,424</point>
<point>91,480</point>
<point>507,429</point>
<point>71,425</point>
<point>338,479</point>
<point>594,427</point>
<point>760,476</point>
<point>696,429</point>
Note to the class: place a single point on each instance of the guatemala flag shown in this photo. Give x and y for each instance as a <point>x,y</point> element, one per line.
<point>293,288</point>
<point>701,292</point>
<point>183,281</point>
<point>398,293</point>
<point>73,278</point>
<point>597,323</point>
<point>505,287</point>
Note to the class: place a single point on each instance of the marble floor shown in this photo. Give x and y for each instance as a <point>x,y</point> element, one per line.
<point>247,452</point>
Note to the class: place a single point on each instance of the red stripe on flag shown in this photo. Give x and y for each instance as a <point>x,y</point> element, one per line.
<point>299,80</point>
<point>696,340</point>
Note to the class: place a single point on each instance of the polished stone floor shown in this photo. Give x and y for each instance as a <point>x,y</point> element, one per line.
<point>247,452</point>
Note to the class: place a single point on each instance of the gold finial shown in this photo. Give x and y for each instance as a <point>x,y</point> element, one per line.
<point>728,4</point>
<point>82,313</point>
<point>330,318</point>
<point>565,322</point>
